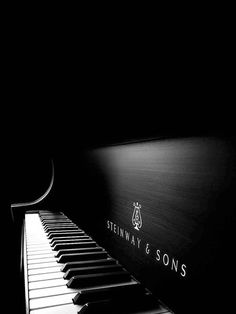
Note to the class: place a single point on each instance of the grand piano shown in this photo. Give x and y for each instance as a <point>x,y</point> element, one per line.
<point>141,226</point>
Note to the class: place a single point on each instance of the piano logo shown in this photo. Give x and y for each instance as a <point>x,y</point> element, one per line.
<point>136,218</point>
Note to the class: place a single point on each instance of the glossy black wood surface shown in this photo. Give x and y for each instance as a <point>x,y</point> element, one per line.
<point>186,188</point>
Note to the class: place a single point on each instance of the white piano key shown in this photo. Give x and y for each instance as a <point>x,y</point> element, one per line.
<point>38,247</point>
<point>47,283</point>
<point>39,293</point>
<point>39,250</point>
<point>36,243</point>
<point>61,309</point>
<point>51,301</point>
<point>48,251</point>
<point>49,276</point>
<point>43,265</point>
<point>36,239</point>
<point>38,256</point>
<point>54,269</point>
<point>41,260</point>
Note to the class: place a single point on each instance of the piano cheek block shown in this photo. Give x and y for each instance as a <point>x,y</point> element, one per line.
<point>98,279</point>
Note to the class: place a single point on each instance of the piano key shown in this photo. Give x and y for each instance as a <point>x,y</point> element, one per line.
<point>62,230</point>
<point>41,260</point>
<point>40,256</point>
<point>83,238</point>
<point>91,270</point>
<point>69,237</point>
<point>81,256</point>
<point>47,283</point>
<point>61,309</point>
<point>38,252</point>
<point>52,216</point>
<point>61,234</point>
<point>89,295</point>
<point>40,249</point>
<point>44,270</point>
<point>81,281</point>
<point>74,244</point>
<point>62,218</point>
<point>51,301</point>
<point>39,293</point>
<point>29,242</point>
<point>56,223</point>
<point>47,276</point>
<point>52,224</point>
<point>79,250</point>
<point>42,265</point>
<point>61,226</point>
<point>39,242</point>
<point>51,220</point>
<point>36,244</point>
<point>140,305</point>
<point>87,263</point>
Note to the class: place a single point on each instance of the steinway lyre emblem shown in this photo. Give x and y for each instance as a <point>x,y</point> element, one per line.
<point>136,218</point>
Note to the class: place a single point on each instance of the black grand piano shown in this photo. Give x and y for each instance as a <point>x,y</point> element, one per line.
<point>137,226</point>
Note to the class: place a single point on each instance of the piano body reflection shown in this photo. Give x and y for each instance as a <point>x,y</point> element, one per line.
<point>144,227</point>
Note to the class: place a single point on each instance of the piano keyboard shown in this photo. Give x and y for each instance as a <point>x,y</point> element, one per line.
<point>66,271</point>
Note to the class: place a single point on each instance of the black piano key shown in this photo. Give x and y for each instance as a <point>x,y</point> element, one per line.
<point>73,245</point>
<point>95,307</point>
<point>54,229</point>
<point>82,281</point>
<point>47,228</point>
<point>87,263</point>
<point>58,230</point>
<point>45,221</point>
<point>91,270</point>
<point>76,229</point>
<point>53,224</point>
<point>52,215</point>
<point>63,233</point>
<point>114,292</point>
<point>47,225</point>
<point>55,219</point>
<point>65,224</point>
<point>67,235</point>
<point>69,239</point>
<point>78,250</point>
<point>81,256</point>
<point>128,304</point>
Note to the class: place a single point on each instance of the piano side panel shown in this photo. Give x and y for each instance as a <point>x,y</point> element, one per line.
<point>185,187</point>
